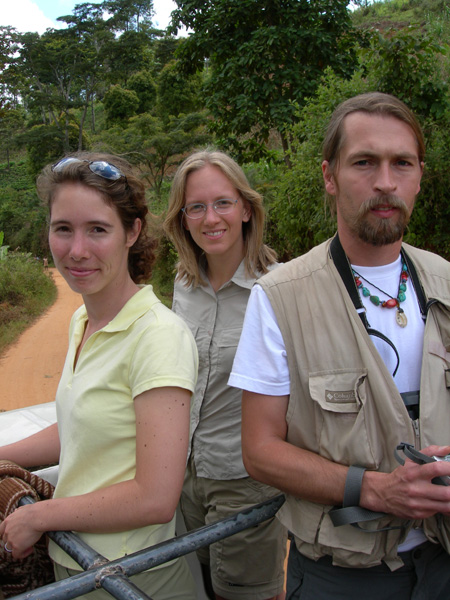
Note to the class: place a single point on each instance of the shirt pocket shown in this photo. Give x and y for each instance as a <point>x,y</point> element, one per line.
<point>227,344</point>
<point>339,398</point>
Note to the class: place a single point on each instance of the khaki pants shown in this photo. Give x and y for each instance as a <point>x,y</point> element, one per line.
<point>248,564</point>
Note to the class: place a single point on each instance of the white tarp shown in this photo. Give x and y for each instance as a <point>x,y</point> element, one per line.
<point>23,422</point>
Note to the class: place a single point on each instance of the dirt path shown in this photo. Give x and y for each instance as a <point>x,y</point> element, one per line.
<point>30,369</point>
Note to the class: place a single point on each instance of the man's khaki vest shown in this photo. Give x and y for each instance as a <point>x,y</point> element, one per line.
<point>344,404</point>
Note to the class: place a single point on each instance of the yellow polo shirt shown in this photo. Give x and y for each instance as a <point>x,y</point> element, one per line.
<point>145,346</point>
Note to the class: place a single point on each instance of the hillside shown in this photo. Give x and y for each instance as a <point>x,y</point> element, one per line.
<point>399,13</point>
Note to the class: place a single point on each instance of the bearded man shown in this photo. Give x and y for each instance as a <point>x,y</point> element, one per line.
<point>344,361</point>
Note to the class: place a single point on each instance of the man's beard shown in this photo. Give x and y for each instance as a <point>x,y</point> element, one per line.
<point>379,231</point>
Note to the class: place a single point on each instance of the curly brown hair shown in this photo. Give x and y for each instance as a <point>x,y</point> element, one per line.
<point>126,195</point>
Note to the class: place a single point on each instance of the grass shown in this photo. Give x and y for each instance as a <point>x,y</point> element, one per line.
<point>25,293</point>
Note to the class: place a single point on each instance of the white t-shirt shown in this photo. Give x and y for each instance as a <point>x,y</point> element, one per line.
<point>261,366</point>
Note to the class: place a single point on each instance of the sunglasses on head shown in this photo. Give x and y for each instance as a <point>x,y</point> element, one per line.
<point>98,167</point>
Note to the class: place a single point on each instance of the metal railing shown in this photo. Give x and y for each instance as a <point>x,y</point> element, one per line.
<point>113,575</point>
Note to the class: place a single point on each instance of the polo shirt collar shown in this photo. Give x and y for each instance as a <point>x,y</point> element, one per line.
<point>133,310</point>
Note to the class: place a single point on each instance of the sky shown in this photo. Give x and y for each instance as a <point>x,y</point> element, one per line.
<point>38,15</point>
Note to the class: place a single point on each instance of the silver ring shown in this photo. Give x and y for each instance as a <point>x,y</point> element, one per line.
<point>5,545</point>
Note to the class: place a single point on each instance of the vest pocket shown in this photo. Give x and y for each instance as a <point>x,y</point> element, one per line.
<point>340,417</point>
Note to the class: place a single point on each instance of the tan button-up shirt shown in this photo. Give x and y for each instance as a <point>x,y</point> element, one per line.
<point>215,319</point>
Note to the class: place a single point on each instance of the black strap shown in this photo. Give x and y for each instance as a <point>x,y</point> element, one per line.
<point>418,457</point>
<point>412,402</point>
<point>423,304</point>
<point>353,482</point>
<point>351,513</point>
<point>343,266</point>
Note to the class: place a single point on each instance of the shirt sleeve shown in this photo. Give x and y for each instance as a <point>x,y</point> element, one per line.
<point>260,364</point>
<point>166,356</point>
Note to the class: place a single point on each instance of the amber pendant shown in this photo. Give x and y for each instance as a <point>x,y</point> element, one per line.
<point>400,317</point>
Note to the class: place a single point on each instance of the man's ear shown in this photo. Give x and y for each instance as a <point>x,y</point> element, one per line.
<point>328,178</point>
<point>422,166</point>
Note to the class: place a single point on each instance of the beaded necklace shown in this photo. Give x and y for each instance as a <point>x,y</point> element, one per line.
<point>400,317</point>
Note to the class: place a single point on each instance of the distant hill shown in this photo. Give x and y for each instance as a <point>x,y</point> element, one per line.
<point>399,13</point>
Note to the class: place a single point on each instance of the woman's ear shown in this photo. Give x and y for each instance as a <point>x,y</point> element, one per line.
<point>133,233</point>
<point>247,212</point>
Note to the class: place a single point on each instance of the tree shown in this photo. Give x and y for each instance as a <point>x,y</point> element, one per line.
<point>120,104</point>
<point>130,14</point>
<point>8,78</point>
<point>261,57</point>
<point>12,122</point>
<point>94,38</point>
<point>401,63</point>
<point>177,92</point>
<point>143,85</point>
<point>156,146</point>
<point>407,63</point>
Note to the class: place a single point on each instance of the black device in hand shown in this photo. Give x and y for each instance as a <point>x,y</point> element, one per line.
<point>418,457</point>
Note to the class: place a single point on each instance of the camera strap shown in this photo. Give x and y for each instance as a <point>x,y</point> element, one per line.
<point>350,512</point>
<point>341,262</point>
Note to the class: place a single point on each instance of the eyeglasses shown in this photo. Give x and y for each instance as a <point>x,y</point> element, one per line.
<point>98,167</point>
<point>198,210</point>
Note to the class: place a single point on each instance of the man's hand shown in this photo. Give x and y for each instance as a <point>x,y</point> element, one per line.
<point>408,492</point>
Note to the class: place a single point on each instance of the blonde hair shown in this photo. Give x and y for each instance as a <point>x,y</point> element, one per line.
<point>257,256</point>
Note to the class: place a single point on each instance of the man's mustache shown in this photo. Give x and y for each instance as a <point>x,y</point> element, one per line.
<point>387,200</point>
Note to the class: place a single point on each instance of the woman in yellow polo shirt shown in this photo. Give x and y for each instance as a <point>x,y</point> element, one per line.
<point>123,400</point>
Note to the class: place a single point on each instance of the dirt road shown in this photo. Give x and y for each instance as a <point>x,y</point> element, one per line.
<point>30,369</point>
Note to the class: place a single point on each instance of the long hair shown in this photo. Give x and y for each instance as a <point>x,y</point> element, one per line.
<point>373,103</point>
<point>126,195</point>
<point>257,256</point>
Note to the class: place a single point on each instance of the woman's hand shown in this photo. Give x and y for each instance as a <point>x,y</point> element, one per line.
<point>20,530</point>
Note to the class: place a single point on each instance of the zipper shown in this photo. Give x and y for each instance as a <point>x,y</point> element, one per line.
<point>416,427</point>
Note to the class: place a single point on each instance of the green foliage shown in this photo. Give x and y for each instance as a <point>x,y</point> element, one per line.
<point>429,223</point>
<point>262,56</point>
<point>257,66</point>
<point>177,92</point>
<point>157,146</point>
<point>22,216</point>
<point>145,89</point>
<point>46,143</point>
<point>3,249</point>
<point>131,52</point>
<point>406,63</point>
<point>25,292</point>
<point>12,121</point>
<point>404,12</point>
<point>298,218</point>
<point>164,270</point>
<point>120,104</point>
<point>129,15</point>
<point>164,52</point>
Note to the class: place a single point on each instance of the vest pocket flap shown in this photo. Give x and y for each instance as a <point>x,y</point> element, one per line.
<point>438,349</point>
<point>339,390</point>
